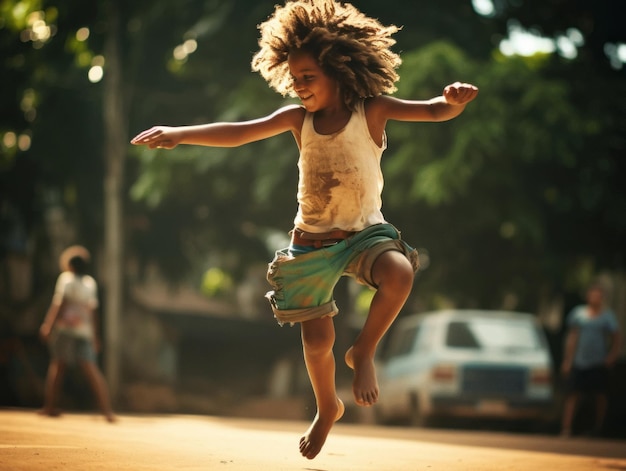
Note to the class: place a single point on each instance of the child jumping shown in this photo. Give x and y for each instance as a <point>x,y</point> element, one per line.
<point>338,62</point>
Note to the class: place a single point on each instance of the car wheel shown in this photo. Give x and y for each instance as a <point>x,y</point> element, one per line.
<point>417,418</point>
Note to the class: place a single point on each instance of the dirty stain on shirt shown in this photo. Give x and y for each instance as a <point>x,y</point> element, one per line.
<point>341,181</point>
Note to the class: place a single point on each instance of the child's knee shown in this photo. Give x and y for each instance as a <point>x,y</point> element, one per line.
<point>393,269</point>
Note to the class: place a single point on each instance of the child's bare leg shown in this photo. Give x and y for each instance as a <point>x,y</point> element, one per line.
<point>99,388</point>
<point>393,274</point>
<point>601,408</point>
<point>318,337</point>
<point>54,380</point>
<point>569,410</point>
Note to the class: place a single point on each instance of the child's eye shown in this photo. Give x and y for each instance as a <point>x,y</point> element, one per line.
<point>304,78</point>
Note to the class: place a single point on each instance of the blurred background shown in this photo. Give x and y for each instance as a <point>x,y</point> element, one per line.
<point>518,204</point>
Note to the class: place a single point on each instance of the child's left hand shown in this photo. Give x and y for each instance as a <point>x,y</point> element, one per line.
<point>460,93</point>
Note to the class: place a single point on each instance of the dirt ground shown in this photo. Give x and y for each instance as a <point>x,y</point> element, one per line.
<point>86,442</point>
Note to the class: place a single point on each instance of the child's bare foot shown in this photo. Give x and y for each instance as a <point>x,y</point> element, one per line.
<point>364,384</point>
<point>49,412</point>
<point>315,437</point>
<point>110,418</point>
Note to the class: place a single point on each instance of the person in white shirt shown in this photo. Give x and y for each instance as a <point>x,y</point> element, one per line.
<point>70,330</point>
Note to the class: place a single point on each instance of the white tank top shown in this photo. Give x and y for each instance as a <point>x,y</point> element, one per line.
<point>341,181</point>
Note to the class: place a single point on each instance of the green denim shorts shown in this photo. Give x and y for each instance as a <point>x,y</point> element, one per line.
<point>303,285</point>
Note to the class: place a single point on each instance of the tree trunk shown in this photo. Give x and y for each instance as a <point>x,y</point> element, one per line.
<point>116,139</point>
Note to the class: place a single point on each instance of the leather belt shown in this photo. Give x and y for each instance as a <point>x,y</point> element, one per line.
<point>319,239</point>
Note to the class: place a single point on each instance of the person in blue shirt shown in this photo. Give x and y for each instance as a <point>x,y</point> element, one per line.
<point>592,347</point>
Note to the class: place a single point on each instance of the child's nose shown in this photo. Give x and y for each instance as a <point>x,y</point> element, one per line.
<point>297,85</point>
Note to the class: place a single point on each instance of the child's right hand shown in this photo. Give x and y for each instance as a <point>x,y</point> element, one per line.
<point>158,137</point>
<point>460,93</point>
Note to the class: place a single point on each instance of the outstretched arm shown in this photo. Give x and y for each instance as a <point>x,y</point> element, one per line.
<point>288,118</point>
<point>450,104</point>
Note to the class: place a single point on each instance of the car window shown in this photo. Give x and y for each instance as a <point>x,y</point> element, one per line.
<point>488,333</point>
<point>403,343</point>
<point>459,335</point>
<point>425,337</point>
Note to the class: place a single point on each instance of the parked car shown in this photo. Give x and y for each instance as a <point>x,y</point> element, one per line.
<point>465,363</point>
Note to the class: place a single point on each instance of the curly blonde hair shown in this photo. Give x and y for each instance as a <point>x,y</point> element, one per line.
<point>349,46</point>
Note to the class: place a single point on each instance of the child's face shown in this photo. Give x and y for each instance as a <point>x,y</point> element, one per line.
<point>316,89</point>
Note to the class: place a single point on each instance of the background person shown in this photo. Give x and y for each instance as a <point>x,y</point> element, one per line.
<point>70,330</point>
<point>591,348</point>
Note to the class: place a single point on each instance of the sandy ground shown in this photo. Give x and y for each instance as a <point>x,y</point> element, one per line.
<point>86,442</point>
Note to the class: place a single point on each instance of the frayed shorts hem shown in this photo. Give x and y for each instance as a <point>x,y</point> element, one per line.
<point>292,316</point>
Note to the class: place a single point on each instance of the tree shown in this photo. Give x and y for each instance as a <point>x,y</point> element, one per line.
<point>601,23</point>
<point>116,138</point>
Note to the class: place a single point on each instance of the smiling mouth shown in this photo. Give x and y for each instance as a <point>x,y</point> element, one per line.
<point>304,98</point>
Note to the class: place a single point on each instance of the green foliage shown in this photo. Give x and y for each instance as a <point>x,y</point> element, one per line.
<point>363,301</point>
<point>21,15</point>
<point>485,191</point>
<point>216,282</point>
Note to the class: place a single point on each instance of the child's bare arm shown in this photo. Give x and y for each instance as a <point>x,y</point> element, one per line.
<point>288,118</point>
<point>49,320</point>
<point>450,104</point>
<point>571,341</point>
<point>613,355</point>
